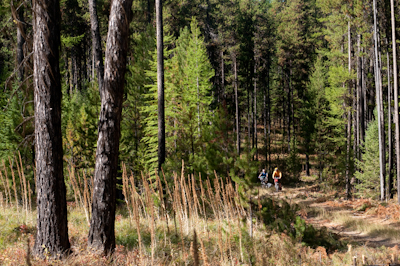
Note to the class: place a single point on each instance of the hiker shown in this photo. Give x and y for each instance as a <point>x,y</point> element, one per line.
<point>277,175</point>
<point>263,176</point>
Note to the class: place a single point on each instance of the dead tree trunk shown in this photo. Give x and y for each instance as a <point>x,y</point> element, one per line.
<point>101,234</point>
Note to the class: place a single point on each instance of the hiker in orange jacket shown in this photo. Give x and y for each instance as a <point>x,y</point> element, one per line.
<point>277,175</point>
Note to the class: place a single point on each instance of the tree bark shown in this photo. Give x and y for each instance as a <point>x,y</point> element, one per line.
<point>396,99</point>
<point>364,95</point>
<point>379,106</point>
<point>390,132</point>
<point>160,85</point>
<point>255,108</point>
<point>20,43</point>
<point>359,120</point>
<point>348,185</point>
<point>96,43</point>
<point>236,106</point>
<point>101,237</point>
<point>52,228</point>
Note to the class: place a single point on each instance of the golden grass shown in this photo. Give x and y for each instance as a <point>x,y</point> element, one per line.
<point>193,221</point>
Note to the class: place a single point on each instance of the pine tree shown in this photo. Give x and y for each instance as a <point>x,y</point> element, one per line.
<point>368,174</point>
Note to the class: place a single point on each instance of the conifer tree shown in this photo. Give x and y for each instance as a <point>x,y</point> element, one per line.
<point>369,165</point>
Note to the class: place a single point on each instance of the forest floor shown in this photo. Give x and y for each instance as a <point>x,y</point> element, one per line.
<point>361,222</point>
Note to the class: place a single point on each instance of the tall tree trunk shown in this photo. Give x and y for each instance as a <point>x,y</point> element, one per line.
<point>389,193</point>
<point>96,43</point>
<point>255,109</point>
<point>248,115</point>
<point>52,226</point>
<point>359,120</point>
<point>102,234</point>
<point>236,106</point>
<point>289,108</point>
<point>396,99</point>
<point>379,106</point>
<point>160,85</point>
<point>360,97</point>
<point>364,95</point>
<point>268,111</point>
<point>223,79</point>
<point>349,120</point>
<point>20,43</point>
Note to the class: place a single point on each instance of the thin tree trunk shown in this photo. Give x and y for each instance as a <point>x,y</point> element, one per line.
<point>101,237</point>
<point>379,107</point>
<point>268,113</point>
<point>248,116</point>
<point>52,225</point>
<point>223,78</point>
<point>289,115</point>
<point>396,99</point>
<point>359,119</point>
<point>96,43</point>
<point>236,106</point>
<point>364,95</point>
<point>20,42</point>
<point>361,109</point>
<point>160,85</point>
<point>255,109</point>
<point>349,120</point>
<point>390,132</point>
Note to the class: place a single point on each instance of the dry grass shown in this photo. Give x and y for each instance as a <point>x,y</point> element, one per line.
<point>193,221</point>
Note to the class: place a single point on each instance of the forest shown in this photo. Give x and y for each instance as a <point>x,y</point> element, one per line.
<point>134,132</point>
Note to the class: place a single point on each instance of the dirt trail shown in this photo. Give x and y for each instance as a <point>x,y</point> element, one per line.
<point>361,221</point>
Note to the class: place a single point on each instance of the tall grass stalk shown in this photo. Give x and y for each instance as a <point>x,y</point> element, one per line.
<point>8,183</point>
<point>5,189</point>
<point>87,197</point>
<point>77,192</point>
<point>71,173</point>
<point>25,186</point>
<point>149,203</point>
<point>14,184</point>
<point>136,214</point>
<point>30,196</point>
<point>2,201</point>
<point>204,253</point>
<point>125,191</point>
<point>20,184</point>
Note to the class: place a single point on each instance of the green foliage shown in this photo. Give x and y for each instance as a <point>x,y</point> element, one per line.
<point>187,100</point>
<point>293,164</point>
<point>282,217</point>
<point>368,174</point>
<point>245,171</point>
<point>149,110</point>
<point>80,112</point>
<point>17,130</point>
<point>71,41</point>
<point>131,146</point>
